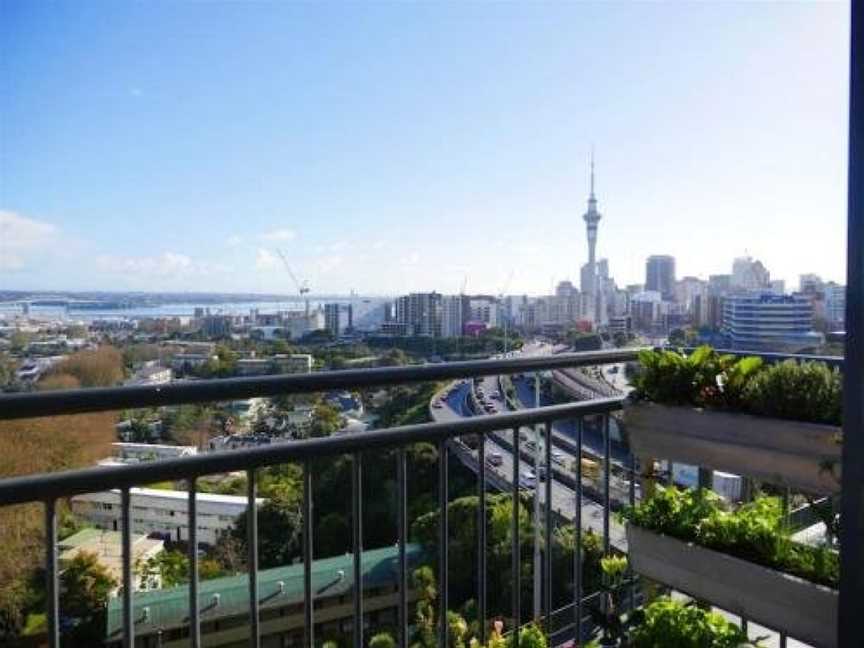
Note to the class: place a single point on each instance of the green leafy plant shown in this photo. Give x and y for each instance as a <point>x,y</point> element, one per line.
<point>672,624</point>
<point>753,532</point>
<point>809,391</point>
<point>806,391</point>
<point>614,568</point>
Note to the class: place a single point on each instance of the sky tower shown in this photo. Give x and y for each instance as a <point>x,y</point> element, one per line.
<point>592,218</point>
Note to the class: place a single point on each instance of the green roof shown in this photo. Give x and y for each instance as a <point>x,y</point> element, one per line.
<point>169,607</point>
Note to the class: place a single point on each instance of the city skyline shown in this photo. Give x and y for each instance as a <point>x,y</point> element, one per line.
<point>130,172</point>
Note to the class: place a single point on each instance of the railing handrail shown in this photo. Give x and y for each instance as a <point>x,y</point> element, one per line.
<point>79,401</point>
<point>49,486</point>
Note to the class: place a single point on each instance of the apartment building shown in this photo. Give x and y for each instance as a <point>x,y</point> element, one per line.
<point>162,512</point>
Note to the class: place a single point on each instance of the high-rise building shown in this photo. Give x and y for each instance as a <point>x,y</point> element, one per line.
<point>420,313</point>
<point>835,306</point>
<point>810,284</point>
<point>719,284</point>
<point>769,322</point>
<point>592,219</point>
<point>338,318</point>
<point>660,275</point>
<point>750,275</point>
<point>453,313</point>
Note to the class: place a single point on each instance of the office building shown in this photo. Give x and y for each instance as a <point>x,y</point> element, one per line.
<point>719,284</point>
<point>750,275</point>
<point>660,275</point>
<point>769,322</point>
<point>810,284</point>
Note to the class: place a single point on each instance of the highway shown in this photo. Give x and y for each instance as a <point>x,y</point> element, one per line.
<point>456,406</point>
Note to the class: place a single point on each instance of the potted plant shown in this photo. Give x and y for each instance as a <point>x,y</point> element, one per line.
<point>666,622</point>
<point>741,560</point>
<point>613,569</point>
<point>779,423</point>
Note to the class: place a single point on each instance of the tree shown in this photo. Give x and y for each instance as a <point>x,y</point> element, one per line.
<point>382,640</point>
<point>102,367</point>
<point>619,339</point>
<point>326,420</point>
<point>280,529</point>
<point>85,585</point>
<point>677,337</point>
<point>394,358</point>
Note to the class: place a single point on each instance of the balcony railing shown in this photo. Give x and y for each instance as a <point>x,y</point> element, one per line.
<point>47,489</point>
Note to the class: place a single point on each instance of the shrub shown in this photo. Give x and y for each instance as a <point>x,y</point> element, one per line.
<point>674,624</point>
<point>382,640</point>
<point>810,391</point>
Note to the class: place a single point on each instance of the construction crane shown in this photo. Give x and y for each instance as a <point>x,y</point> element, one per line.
<point>302,286</point>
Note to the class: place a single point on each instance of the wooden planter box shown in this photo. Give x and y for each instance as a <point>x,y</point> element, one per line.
<point>788,453</point>
<point>781,602</point>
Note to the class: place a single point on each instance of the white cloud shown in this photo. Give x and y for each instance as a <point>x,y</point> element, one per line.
<point>234,241</point>
<point>21,237</point>
<point>278,235</point>
<point>265,260</point>
<point>167,264</point>
<point>411,259</point>
<point>328,263</point>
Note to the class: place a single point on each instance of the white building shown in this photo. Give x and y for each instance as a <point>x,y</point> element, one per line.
<point>151,374</point>
<point>141,452</point>
<point>162,512</point>
<point>483,309</point>
<point>750,274</point>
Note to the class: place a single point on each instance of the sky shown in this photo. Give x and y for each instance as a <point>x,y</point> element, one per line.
<point>396,147</point>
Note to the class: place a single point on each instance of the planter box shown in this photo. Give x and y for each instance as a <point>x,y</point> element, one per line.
<point>801,609</point>
<point>788,453</point>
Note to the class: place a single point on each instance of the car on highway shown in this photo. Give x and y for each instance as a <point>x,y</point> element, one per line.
<point>494,459</point>
<point>437,405</point>
<point>558,457</point>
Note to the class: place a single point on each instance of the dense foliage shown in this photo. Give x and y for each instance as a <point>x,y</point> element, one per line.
<point>806,391</point>
<point>754,531</point>
<point>462,549</point>
<point>672,624</point>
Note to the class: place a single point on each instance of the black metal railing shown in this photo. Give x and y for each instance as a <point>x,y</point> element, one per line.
<point>49,488</point>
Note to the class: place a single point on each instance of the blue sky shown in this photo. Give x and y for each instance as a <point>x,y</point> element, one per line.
<point>395,147</point>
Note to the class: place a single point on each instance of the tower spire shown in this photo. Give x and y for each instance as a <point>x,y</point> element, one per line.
<point>592,170</point>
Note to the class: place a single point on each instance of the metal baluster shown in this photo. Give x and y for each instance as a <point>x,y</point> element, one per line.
<point>402,486</point>
<point>443,529</point>
<point>632,503</point>
<point>514,546</point>
<point>357,523</point>
<point>782,640</point>
<point>52,588</point>
<point>252,557</point>
<point>577,529</point>
<point>548,518</point>
<point>128,621</point>
<point>308,601</point>
<point>481,538</point>
<point>607,461</point>
<point>192,521</point>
